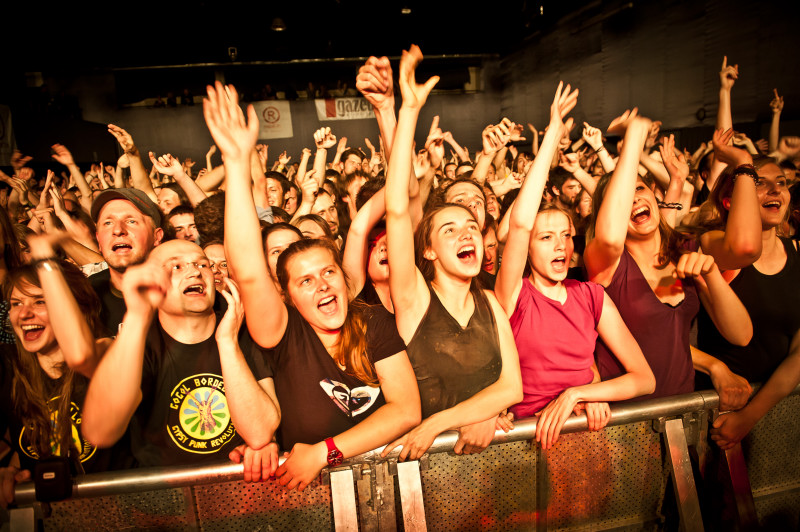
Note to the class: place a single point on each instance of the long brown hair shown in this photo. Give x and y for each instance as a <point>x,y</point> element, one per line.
<point>30,393</point>
<point>352,343</point>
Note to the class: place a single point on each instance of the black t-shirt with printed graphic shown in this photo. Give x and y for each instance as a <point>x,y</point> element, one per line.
<point>92,459</point>
<point>184,417</point>
<point>318,399</point>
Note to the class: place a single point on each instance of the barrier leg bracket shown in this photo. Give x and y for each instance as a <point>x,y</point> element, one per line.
<point>681,469</point>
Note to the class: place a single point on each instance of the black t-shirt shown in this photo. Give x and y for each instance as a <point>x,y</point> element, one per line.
<point>112,306</point>
<point>92,459</point>
<point>184,417</point>
<point>318,399</point>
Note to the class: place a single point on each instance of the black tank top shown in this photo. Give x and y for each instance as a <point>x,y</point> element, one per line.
<point>773,302</point>
<point>453,363</point>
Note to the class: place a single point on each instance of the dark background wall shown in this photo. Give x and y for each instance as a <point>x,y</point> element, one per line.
<point>663,57</point>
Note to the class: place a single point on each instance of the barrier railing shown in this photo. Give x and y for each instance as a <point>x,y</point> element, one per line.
<point>637,472</point>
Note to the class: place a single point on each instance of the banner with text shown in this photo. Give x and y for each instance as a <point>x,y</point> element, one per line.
<point>343,109</point>
<point>275,119</point>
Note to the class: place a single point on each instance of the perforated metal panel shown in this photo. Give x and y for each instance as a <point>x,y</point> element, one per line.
<point>235,506</point>
<point>772,451</point>
<point>494,490</point>
<point>162,510</point>
<point>607,479</point>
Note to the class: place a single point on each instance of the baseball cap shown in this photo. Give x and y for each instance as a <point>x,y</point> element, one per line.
<point>139,199</point>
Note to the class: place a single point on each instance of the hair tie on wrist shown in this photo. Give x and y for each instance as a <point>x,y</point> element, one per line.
<point>601,148</point>
<point>676,206</point>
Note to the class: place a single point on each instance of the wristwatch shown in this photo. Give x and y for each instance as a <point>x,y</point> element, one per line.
<point>335,456</point>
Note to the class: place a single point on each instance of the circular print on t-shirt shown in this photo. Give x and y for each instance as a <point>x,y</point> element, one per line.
<point>199,420</point>
<point>86,449</point>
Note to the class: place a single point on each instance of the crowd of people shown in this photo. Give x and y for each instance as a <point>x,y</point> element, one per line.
<point>318,310</point>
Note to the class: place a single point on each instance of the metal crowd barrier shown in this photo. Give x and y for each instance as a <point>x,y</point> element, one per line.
<point>636,474</point>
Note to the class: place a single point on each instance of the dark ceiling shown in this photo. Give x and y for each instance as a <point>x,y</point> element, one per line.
<point>93,35</point>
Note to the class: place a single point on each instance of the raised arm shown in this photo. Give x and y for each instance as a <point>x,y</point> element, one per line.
<point>739,245</point>
<point>356,249</point>
<point>594,138</point>
<point>494,139</point>
<point>115,390</point>
<point>727,77</point>
<point>62,155</point>
<point>410,295</point>
<point>74,337</point>
<point>603,252</point>
<point>375,83</point>
<point>254,408</point>
<point>139,175</point>
<point>168,165</point>
<point>522,218</point>
<point>679,192</point>
<point>324,140</point>
<point>776,106</point>
<point>236,138</point>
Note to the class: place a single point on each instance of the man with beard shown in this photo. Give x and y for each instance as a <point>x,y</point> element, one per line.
<point>128,228</point>
<point>565,188</point>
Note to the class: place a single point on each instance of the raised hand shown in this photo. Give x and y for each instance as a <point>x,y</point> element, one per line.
<point>563,102</point>
<point>789,146</point>
<point>593,136</point>
<point>676,165</point>
<point>123,137</point>
<point>284,159</point>
<point>232,133</point>
<point>762,145</point>
<point>144,287</point>
<point>777,103</point>
<point>263,155</point>
<point>726,153</point>
<point>515,132</point>
<point>342,146</point>
<point>620,124</point>
<point>166,164</point>
<point>652,134</point>
<point>123,161</point>
<point>324,139</point>
<point>569,162</point>
<point>434,144</point>
<point>231,322</point>
<point>44,196</point>
<point>414,95</point>
<point>62,155</point>
<point>374,81</point>
<point>492,140</point>
<point>728,75</point>
<point>18,160</point>
<point>212,150</point>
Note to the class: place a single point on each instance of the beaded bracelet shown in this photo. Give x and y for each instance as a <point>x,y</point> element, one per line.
<point>745,169</point>
<point>676,206</point>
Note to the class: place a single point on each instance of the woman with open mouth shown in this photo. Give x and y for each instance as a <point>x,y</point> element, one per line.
<point>658,290</point>
<point>46,394</point>
<point>749,203</point>
<point>340,371</point>
<point>559,377</point>
<point>458,336</point>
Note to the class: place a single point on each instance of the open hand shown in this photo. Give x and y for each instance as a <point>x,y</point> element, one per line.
<point>62,155</point>
<point>620,124</point>
<point>232,133</point>
<point>676,164</point>
<point>414,95</point>
<point>231,322</point>
<point>123,137</point>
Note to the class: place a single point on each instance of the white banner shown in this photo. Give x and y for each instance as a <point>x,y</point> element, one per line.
<point>275,119</point>
<point>343,109</point>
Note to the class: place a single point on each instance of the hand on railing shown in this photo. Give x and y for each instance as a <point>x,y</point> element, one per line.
<point>259,464</point>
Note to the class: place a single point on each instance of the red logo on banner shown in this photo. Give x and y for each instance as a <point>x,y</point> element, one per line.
<point>271,115</point>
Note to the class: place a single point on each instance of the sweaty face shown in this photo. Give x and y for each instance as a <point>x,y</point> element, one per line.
<point>124,234</point>
<point>185,229</point>
<point>274,193</point>
<point>276,242</point>
<point>773,195</point>
<point>471,196</point>
<point>456,244</point>
<point>219,264</point>
<point>324,206</point>
<point>191,281</point>
<point>378,265</point>
<point>490,251</point>
<point>551,247</point>
<point>30,320</point>
<point>317,289</point>
<point>168,199</point>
